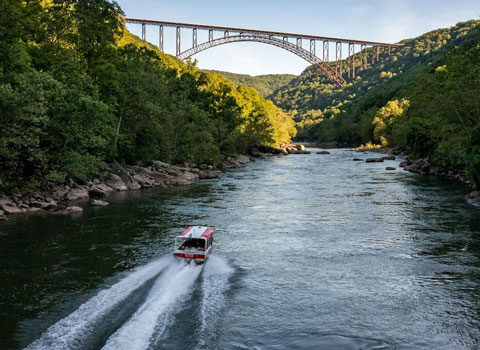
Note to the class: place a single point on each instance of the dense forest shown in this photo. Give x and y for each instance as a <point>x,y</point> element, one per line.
<point>78,91</point>
<point>424,98</point>
<point>264,84</point>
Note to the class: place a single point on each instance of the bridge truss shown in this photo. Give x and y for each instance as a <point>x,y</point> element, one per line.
<point>333,69</point>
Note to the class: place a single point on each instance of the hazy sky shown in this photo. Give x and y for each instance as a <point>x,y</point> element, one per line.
<point>375,20</point>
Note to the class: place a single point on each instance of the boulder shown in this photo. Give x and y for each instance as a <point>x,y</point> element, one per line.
<point>5,201</point>
<point>405,163</point>
<point>419,166</point>
<point>474,194</point>
<point>357,159</point>
<point>11,209</point>
<point>390,168</point>
<point>77,194</point>
<point>390,157</point>
<point>133,185</point>
<point>323,152</point>
<point>143,180</point>
<point>99,190</point>
<point>299,147</point>
<point>209,174</point>
<point>73,210</point>
<point>270,149</point>
<point>114,181</point>
<point>296,151</point>
<point>160,164</point>
<point>98,203</point>
<point>374,160</point>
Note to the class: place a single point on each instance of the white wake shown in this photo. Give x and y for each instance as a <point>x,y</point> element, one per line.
<point>174,284</point>
<point>72,331</point>
<point>215,284</point>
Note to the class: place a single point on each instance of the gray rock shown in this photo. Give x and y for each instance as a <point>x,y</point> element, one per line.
<point>390,157</point>
<point>390,168</point>
<point>77,194</point>
<point>323,152</point>
<point>143,180</point>
<point>10,209</point>
<point>98,202</point>
<point>99,190</point>
<point>114,181</point>
<point>5,201</point>
<point>2,215</point>
<point>134,185</point>
<point>474,194</point>
<point>296,151</point>
<point>374,160</point>
<point>209,174</point>
<point>405,163</point>
<point>73,210</point>
<point>357,159</point>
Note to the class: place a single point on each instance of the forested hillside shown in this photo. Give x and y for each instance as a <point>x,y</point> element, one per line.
<point>78,91</point>
<point>264,84</point>
<point>424,98</point>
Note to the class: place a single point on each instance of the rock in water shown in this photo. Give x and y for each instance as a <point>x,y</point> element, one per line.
<point>11,209</point>
<point>77,194</point>
<point>73,210</point>
<point>357,159</point>
<point>374,160</point>
<point>323,152</point>
<point>390,168</point>
<point>99,203</point>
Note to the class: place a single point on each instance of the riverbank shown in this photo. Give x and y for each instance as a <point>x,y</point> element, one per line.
<point>68,198</point>
<point>423,167</point>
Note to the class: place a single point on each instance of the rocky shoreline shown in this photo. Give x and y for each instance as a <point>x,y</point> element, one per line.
<point>65,199</point>
<point>422,167</point>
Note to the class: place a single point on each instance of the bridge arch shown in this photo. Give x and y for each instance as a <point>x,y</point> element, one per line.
<point>270,40</point>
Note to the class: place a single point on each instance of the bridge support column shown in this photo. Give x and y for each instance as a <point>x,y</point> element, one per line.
<point>338,58</point>
<point>378,52</point>
<point>160,38</point>
<point>299,42</point>
<point>226,34</point>
<point>364,60</point>
<point>210,35</point>
<point>144,31</point>
<point>326,48</point>
<point>194,37</point>
<point>373,55</point>
<point>351,53</point>
<point>312,47</point>
<point>285,38</point>
<point>389,49</point>
<point>178,41</point>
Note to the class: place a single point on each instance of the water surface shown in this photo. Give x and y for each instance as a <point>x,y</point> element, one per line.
<point>311,252</point>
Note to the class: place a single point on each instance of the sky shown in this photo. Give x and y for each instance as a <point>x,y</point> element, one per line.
<point>372,20</point>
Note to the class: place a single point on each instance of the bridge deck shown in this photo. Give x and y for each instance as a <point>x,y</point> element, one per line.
<point>256,31</point>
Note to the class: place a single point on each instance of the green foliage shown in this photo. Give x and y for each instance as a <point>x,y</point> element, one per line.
<point>264,84</point>
<point>423,98</point>
<point>77,91</point>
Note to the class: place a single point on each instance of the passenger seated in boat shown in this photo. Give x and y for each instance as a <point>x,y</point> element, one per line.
<point>193,244</point>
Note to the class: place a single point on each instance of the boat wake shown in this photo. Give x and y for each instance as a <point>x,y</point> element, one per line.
<point>215,284</point>
<point>82,326</point>
<point>135,313</point>
<point>174,284</point>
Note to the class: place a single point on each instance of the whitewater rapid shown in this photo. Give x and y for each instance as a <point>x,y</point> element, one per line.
<point>104,321</point>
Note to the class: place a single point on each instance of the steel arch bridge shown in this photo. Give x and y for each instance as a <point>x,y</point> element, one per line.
<point>333,69</point>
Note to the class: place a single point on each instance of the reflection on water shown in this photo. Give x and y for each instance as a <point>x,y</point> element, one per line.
<point>311,252</point>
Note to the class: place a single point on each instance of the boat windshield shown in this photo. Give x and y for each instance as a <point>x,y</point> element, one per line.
<point>190,243</point>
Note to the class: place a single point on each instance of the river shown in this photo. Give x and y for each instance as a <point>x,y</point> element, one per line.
<point>311,252</point>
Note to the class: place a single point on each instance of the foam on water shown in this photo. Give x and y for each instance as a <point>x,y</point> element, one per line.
<point>215,284</point>
<point>74,330</point>
<point>170,289</point>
